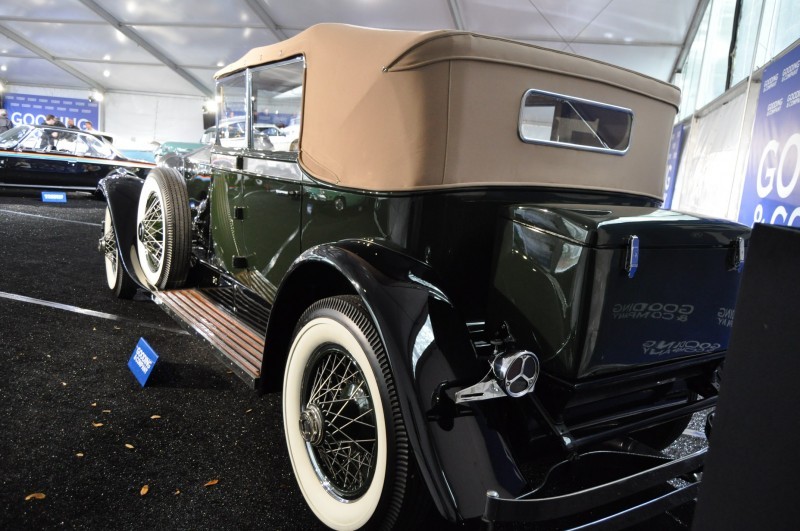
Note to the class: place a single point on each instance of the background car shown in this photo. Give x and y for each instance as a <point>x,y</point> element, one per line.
<point>54,157</point>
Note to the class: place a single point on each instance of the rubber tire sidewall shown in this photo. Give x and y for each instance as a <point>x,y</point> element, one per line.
<point>333,513</point>
<point>112,273</point>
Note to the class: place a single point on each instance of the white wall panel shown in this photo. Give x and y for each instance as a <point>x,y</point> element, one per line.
<point>136,120</point>
<point>706,181</point>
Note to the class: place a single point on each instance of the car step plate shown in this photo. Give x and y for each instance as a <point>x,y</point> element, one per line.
<point>236,344</point>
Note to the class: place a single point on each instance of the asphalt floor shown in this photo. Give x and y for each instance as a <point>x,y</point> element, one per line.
<point>82,444</point>
<point>80,439</point>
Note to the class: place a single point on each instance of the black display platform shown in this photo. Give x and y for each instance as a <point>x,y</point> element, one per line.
<point>750,479</point>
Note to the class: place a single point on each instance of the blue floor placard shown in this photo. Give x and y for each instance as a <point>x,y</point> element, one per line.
<point>54,197</point>
<point>142,361</point>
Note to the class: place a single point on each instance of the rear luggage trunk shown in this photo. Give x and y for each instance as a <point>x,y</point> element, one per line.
<point>567,283</point>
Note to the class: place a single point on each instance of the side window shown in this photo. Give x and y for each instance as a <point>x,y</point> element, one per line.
<point>277,95</point>
<point>566,121</point>
<point>98,148</point>
<point>232,94</point>
<point>34,141</point>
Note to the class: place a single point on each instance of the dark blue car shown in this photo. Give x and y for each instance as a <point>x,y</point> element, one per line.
<point>38,156</point>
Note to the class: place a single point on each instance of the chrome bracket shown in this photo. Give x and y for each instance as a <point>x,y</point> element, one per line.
<point>483,390</point>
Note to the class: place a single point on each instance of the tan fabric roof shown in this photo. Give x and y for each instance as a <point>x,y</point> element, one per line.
<point>401,110</point>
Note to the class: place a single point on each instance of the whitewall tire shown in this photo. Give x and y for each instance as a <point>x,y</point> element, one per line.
<point>342,421</point>
<point>117,278</point>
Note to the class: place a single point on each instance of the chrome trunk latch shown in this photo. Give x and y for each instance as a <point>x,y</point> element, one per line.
<point>632,256</point>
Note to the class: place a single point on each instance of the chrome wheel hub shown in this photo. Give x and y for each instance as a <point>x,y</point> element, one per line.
<point>312,425</point>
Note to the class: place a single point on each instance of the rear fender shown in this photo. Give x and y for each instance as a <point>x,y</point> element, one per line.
<point>121,190</point>
<point>427,343</point>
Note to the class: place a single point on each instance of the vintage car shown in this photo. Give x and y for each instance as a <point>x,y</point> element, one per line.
<point>38,156</point>
<point>498,320</point>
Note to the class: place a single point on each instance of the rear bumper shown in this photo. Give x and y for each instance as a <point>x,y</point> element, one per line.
<point>627,488</point>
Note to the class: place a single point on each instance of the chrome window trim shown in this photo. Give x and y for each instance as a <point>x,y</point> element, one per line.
<point>570,145</point>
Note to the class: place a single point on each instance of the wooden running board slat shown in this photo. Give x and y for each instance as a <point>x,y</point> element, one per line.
<point>240,346</point>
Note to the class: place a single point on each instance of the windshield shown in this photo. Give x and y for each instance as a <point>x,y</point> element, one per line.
<point>10,138</point>
<point>58,140</point>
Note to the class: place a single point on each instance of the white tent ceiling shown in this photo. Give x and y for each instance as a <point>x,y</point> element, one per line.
<point>175,46</point>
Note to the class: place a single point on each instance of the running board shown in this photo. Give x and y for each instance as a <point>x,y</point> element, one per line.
<point>237,345</point>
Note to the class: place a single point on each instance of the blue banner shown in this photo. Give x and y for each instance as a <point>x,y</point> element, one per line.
<point>32,109</point>
<point>771,190</point>
<point>142,361</point>
<point>673,161</point>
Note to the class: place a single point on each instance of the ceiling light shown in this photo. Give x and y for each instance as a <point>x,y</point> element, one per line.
<point>220,63</point>
<point>106,57</point>
<point>608,35</point>
<point>2,86</point>
<point>210,106</point>
<point>106,73</point>
<point>96,95</point>
<point>3,68</point>
<point>628,39</point>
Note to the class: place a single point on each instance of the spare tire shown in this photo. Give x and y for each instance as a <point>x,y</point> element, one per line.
<point>163,226</point>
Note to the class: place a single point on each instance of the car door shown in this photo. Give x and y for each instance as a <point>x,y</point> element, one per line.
<point>93,159</point>
<point>270,216</point>
<point>33,163</point>
<point>256,192</point>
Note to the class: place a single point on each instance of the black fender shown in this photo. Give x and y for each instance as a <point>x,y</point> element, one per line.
<point>122,189</point>
<point>427,343</point>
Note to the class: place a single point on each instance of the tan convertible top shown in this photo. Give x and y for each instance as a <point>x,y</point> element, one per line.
<point>401,110</point>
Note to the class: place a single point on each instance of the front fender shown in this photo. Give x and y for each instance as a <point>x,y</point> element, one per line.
<point>427,343</point>
<point>121,190</point>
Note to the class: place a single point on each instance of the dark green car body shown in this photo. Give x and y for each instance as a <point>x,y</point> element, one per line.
<point>547,241</point>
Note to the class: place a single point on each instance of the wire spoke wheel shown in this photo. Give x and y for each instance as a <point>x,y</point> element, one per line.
<point>163,229</point>
<point>109,245</point>
<point>152,232</point>
<point>116,277</point>
<point>343,425</point>
<point>343,442</point>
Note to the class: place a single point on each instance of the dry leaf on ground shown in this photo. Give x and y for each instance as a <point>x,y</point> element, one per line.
<point>97,424</point>
<point>129,446</point>
<point>35,496</point>
<point>79,454</point>
<point>155,417</point>
<point>144,490</point>
<point>212,482</point>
